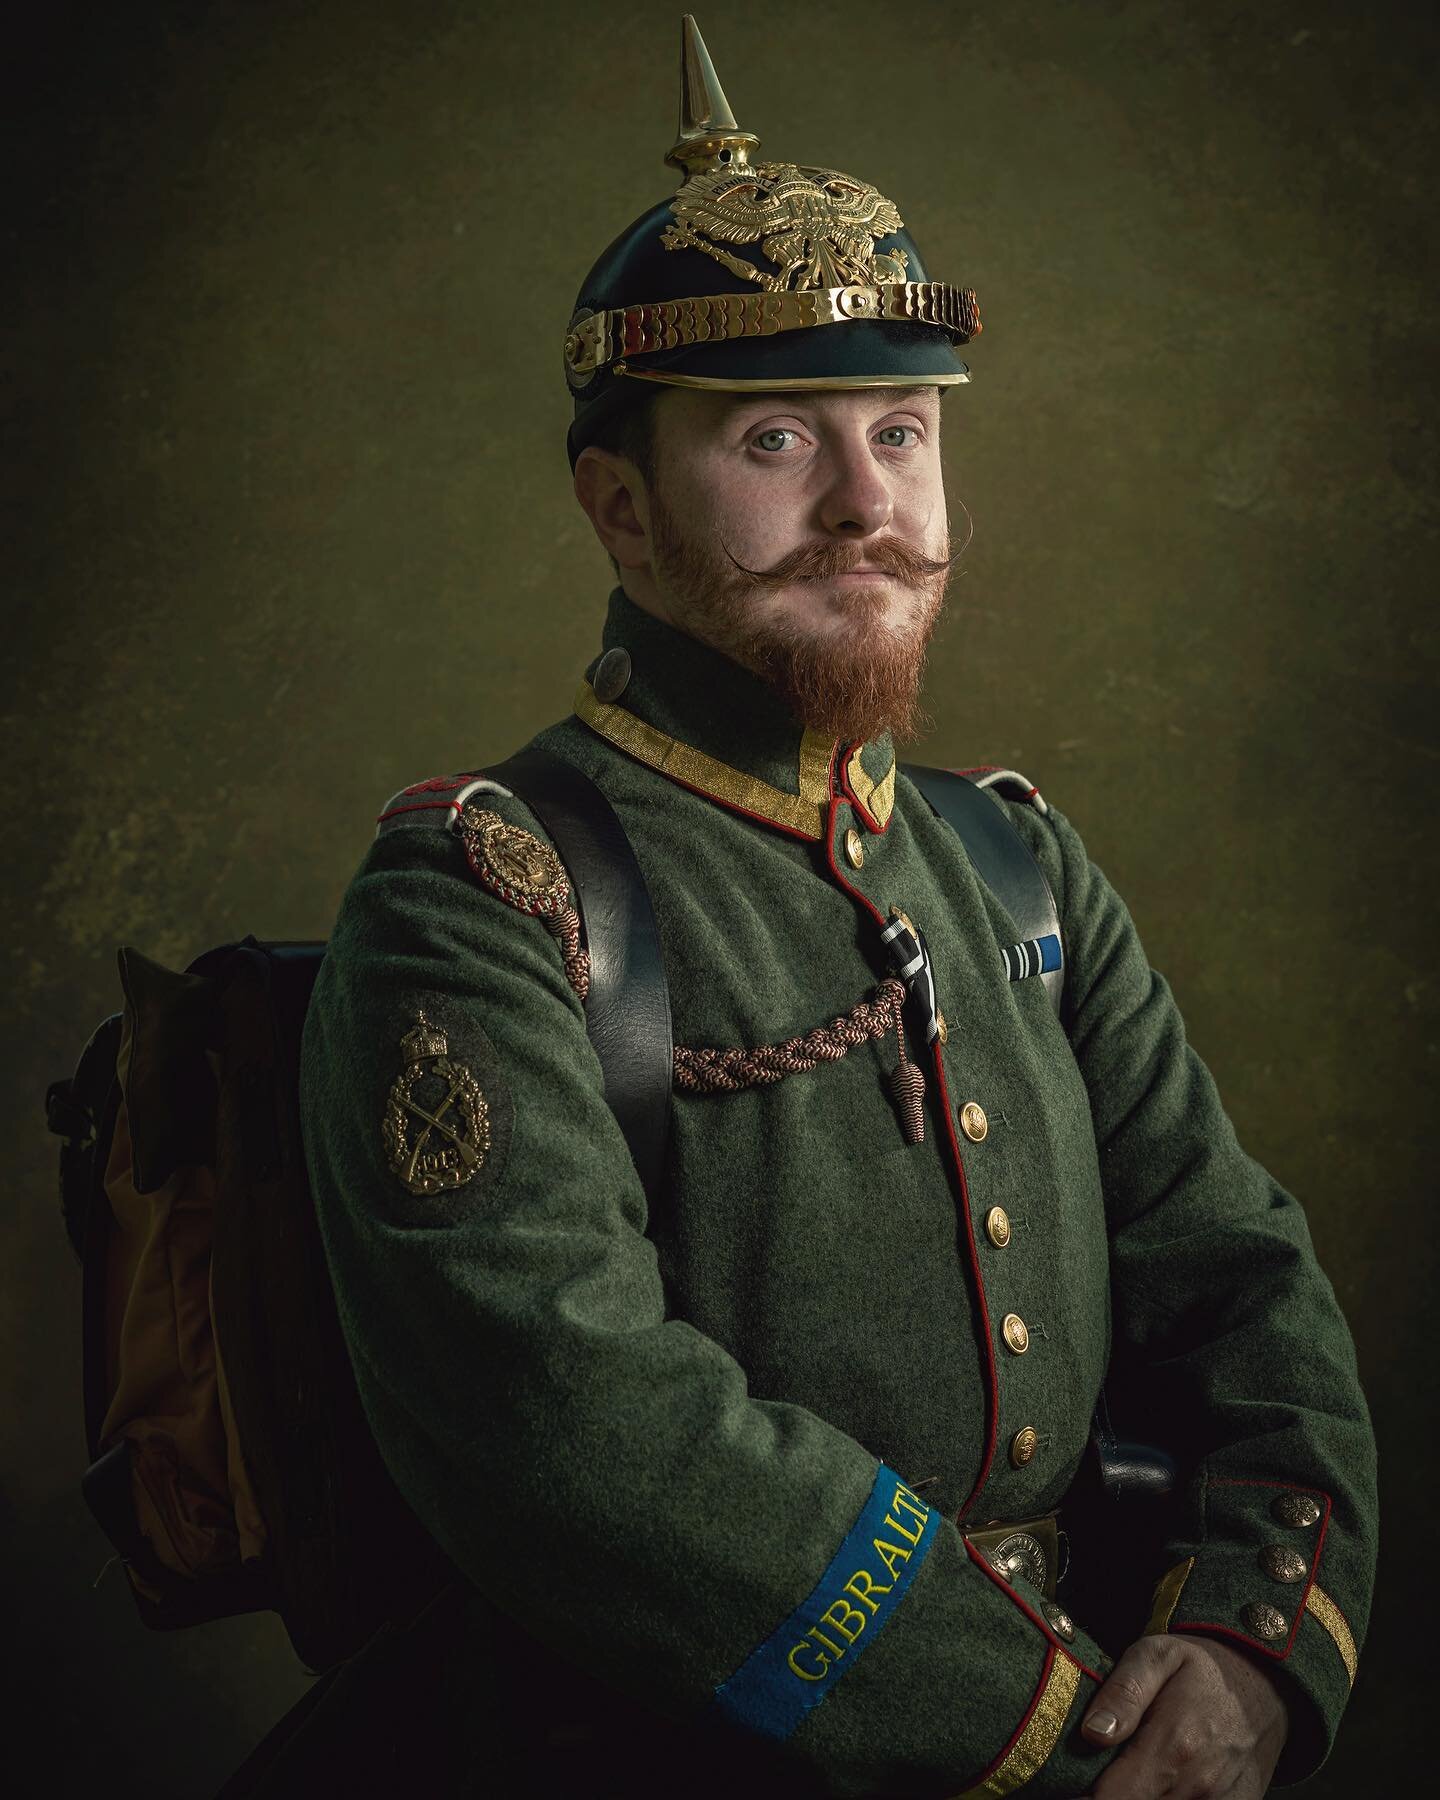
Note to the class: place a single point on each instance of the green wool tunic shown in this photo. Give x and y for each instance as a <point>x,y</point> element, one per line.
<point>706,1467</point>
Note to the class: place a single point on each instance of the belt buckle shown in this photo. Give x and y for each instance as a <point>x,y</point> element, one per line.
<point>1028,1547</point>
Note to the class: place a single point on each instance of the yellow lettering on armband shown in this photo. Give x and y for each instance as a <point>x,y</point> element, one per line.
<point>910,1537</point>
<point>852,1586</point>
<point>805,1674</point>
<point>839,1614</point>
<point>890,1554</point>
<point>911,1503</point>
<point>816,1632</point>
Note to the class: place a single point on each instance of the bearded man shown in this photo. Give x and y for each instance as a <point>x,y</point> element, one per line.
<point>758,1443</point>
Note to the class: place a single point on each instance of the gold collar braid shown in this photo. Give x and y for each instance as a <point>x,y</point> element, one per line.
<point>803,813</point>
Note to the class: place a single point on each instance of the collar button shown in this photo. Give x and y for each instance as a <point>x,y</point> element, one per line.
<point>612,674</point>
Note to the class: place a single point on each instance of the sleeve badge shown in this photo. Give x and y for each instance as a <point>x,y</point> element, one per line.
<point>436,1126</point>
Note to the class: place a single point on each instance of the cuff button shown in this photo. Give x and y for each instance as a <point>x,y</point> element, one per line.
<point>1263,1620</point>
<point>1295,1509</point>
<point>1283,1564</point>
<point>1058,1620</point>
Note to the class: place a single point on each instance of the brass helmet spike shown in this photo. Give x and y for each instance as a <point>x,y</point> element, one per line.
<point>709,137</point>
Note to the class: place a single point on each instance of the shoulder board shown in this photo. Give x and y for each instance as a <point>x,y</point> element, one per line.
<point>436,801</point>
<point>505,857</point>
<point>1007,782</point>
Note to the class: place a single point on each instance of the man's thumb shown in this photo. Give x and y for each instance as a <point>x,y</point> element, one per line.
<point>1128,1690</point>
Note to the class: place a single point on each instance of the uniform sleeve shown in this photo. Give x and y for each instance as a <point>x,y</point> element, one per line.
<point>1228,1339</point>
<point>597,1468</point>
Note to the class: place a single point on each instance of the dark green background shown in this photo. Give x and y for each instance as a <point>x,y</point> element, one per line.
<point>292,525</point>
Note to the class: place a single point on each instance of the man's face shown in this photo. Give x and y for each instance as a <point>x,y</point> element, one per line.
<point>804,535</point>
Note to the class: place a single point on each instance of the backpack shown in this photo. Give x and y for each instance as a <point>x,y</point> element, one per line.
<point>233,1469</point>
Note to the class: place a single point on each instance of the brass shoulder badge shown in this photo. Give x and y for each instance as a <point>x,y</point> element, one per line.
<point>452,1114</point>
<point>816,225</point>
<point>513,862</point>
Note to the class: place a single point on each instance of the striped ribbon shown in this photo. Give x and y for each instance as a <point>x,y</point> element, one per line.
<point>1034,957</point>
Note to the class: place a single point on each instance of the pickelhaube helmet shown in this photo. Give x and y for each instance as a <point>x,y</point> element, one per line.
<point>756,275</point>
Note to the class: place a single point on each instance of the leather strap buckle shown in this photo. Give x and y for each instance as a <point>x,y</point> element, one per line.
<point>1028,1547</point>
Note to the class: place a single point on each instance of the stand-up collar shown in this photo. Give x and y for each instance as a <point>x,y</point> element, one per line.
<point>717,728</point>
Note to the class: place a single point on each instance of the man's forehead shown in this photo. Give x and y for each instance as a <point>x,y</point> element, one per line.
<point>858,397</point>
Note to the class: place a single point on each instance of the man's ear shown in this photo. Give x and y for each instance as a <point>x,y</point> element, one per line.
<point>612,494</point>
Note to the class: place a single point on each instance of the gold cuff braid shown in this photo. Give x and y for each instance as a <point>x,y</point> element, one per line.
<point>1036,1743</point>
<point>1320,1606</point>
<point>605,337</point>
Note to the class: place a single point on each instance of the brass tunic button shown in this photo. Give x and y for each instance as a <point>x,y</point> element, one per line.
<point>973,1121</point>
<point>1264,1620</point>
<point>854,849</point>
<point>1058,1620</point>
<point>997,1224</point>
<point>1017,1335</point>
<point>1023,1446</point>
<point>612,674</point>
<point>1295,1509</point>
<point>1283,1564</point>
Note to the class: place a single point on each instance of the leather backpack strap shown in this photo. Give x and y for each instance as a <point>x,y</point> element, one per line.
<point>627,1011</point>
<point>1001,858</point>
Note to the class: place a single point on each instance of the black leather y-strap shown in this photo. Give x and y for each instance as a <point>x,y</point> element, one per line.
<point>627,1013</point>
<point>1002,858</point>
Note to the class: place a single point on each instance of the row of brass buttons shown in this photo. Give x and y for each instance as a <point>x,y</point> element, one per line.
<point>1281,1563</point>
<point>1013,1329</point>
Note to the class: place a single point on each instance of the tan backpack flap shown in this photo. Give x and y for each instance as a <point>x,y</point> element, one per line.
<point>194,1503</point>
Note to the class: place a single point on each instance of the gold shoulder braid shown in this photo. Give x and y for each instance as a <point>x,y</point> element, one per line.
<point>528,875</point>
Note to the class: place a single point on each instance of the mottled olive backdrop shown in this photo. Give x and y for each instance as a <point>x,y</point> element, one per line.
<point>292,525</point>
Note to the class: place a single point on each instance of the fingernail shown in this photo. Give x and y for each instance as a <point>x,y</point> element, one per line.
<point>1102,1723</point>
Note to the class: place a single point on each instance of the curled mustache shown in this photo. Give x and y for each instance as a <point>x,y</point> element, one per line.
<point>822,561</point>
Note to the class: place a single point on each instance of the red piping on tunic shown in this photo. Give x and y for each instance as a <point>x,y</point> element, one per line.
<point>994,1420</point>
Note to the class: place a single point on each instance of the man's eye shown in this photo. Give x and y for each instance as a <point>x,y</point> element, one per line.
<point>772,438</point>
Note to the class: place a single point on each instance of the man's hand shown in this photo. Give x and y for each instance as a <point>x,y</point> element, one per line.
<point>1203,1721</point>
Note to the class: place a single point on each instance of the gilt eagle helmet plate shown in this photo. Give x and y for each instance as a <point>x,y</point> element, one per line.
<point>817,226</point>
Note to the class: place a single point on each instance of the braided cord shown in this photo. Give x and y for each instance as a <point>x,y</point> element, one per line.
<point>727,1071</point>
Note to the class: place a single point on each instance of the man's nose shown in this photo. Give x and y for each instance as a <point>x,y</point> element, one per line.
<point>856,501</point>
